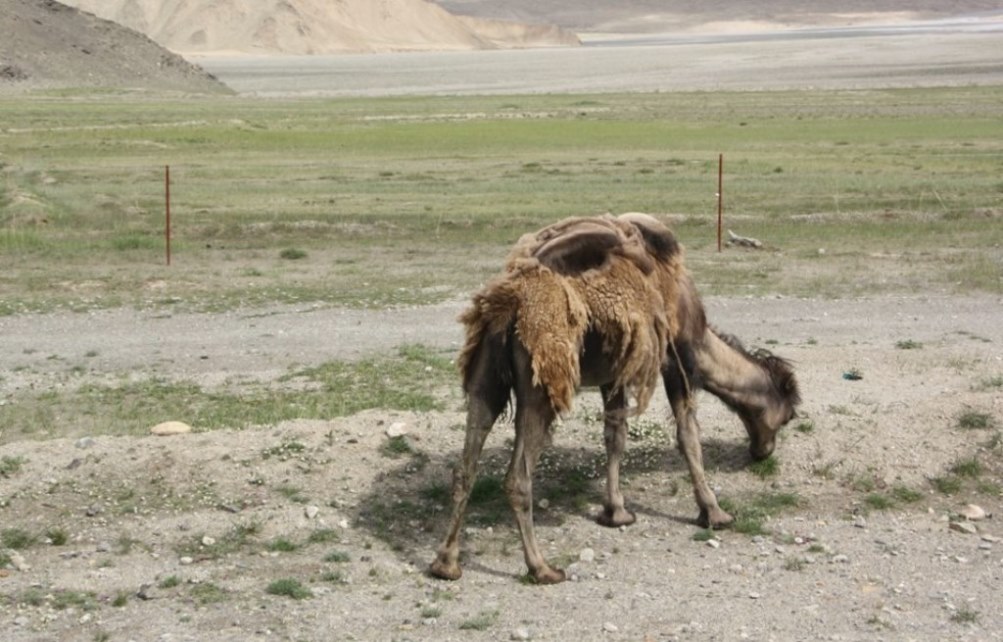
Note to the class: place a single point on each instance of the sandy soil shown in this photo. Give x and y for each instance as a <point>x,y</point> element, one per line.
<point>137,510</point>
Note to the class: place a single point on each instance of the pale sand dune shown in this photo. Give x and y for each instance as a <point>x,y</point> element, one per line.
<point>316,26</point>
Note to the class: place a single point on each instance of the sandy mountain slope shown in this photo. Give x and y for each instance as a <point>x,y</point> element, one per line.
<point>315,26</point>
<point>47,44</point>
<point>650,16</point>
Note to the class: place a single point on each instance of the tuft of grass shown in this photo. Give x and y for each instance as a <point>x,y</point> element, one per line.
<point>57,536</point>
<point>83,600</point>
<point>946,484</point>
<point>795,564</point>
<point>974,420</point>
<point>207,593</point>
<point>703,535</point>
<point>970,468</point>
<point>282,545</point>
<point>121,599</point>
<point>323,536</point>
<point>877,501</point>
<point>905,494</point>
<point>292,493</point>
<point>289,588</point>
<point>991,383</point>
<point>480,622</point>
<point>395,447</point>
<point>752,514</point>
<point>10,466</point>
<point>908,344</point>
<point>965,615</point>
<point>17,538</point>
<point>292,254</point>
<point>805,427</point>
<point>169,582</point>
<point>337,556</point>
<point>765,468</point>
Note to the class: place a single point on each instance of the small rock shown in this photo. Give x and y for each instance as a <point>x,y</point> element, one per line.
<point>168,428</point>
<point>973,513</point>
<point>397,429</point>
<point>85,442</point>
<point>544,503</point>
<point>93,511</point>
<point>840,559</point>
<point>967,528</point>
<point>311,512</point>
<point>103,547</point>
<point>859,522</point>
<point>609,627</point>
<point>21,620</point>
<point>185,561</point>
<point>521,633</point>
<point>145,592</point>
<point>587,555</point>
<point>992,539</point>
<point>754,596</point>
<point>17,561</point>
<point>208,541</point>
<point>714,543</point>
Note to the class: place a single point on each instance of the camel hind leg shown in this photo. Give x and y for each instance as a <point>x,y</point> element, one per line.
<point>533,417</point>
<point>488,391</point>
<point>615,437</point>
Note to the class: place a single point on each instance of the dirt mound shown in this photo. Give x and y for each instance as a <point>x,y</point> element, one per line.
<point>316,26</point>
<point>47,44</point>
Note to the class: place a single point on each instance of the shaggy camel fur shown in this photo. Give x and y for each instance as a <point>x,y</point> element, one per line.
<point>601,302</point>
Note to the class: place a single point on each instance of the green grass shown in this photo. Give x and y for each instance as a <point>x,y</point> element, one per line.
<point>289,588</point>
<point>752,512</point>
<point>480,622</point>
<point>877,501</point>
<point>974,420</point>
<point>421,205</point>
<point>17,538</point>
<point>412,378</point>
<point>908,344</point>
<point>765,468</point>
<point>10,466</point>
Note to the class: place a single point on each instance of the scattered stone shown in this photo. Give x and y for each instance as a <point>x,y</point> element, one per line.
<point>714,543</point>
<point>609,627</point>
<point>168,428</point>
<point>311,512</point>
<point>543,504</point>
<point>17,561</point>
<point>185,561</point>
<point>587,555</point>
<point>521,633</point>
<point>967,528</point>
<point>21,620</point>
<point>992,539</point>
<point>230,508</point>
<point>397,429</point>
<point>208,541</point>
<point>859,522</point>
<point>103,547</point>
<point>754,596</point>
<point>973,513</point>
<point>93,511</point>
<point>145,592</point>
<point>86,442</point>
<point>840,559</point>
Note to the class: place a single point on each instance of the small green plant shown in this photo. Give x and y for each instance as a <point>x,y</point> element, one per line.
<point>169,582</point>
<point>908,344</point>
<point>282,545</point>
<point>991,383</point>
<point>323,536</point>
<point>967,468</point>
<point>965,615</point>
<point>395,447</point>
<point>336,556</point>
<point>805,427</point>
<point>292,493</point>
<point>794,564</point>
<point>481,622</point>
<point>946,484</point>
<point>5,560</point>
<point>10,466</point>
<point>289,588</point>
<point>906,495</point>
<point>121,599</point>
<point>57,536</point>
<point>333,577</point>
<point>16,538</point>
<point>973,420</point>
<point>83,600</point>
<point>877,501</point>
<point>765,468</point>
<point>428,612</point>
<point>292,254</point>
<point>703,535</point>
<point>207,593</point>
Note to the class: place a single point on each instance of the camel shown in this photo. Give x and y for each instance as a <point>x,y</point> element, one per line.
<point>601,301</point>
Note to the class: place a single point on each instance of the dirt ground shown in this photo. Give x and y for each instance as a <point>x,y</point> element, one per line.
<point>151,550</point>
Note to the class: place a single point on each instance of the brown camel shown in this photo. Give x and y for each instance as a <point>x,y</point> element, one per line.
<point>601,302</point>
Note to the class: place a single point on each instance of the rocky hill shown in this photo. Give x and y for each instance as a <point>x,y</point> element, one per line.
<point>317,26</point>
<point>45,44</point>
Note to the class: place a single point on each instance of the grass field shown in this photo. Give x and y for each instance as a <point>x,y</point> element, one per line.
<point>377,201</point>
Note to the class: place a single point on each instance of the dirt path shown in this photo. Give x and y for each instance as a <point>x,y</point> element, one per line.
<point>179,538</point>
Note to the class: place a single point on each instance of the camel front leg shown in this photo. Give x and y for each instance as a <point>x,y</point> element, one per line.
<point>615,437</point>
<point>480,419</point>
<point>688,436</point>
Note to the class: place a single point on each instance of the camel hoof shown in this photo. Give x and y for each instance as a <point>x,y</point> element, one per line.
<point>715,519</point>
<point>614,518</point>
<point>549,576</point>
<point>445,570</point>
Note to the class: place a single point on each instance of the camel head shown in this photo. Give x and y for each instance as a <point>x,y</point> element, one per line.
<point>776,407</point>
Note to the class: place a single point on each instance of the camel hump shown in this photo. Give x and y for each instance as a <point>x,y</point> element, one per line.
<point>578,249</point>
<point>658,239</point>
